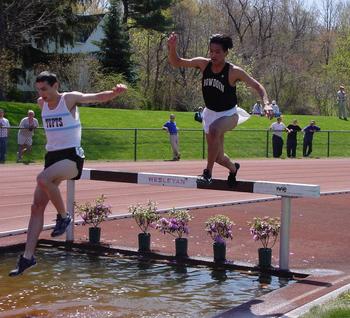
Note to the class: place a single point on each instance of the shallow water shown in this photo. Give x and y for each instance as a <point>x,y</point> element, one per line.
<point>67,284</point>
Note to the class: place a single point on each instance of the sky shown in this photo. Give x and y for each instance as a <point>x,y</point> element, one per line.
<point>309,3</point>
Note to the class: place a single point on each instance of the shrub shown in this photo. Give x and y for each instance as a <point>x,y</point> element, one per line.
<point>219,227</point>
<point>94,214</point>
<point>144,216</point>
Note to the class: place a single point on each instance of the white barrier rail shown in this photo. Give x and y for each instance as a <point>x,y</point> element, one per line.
<point>286,190</point>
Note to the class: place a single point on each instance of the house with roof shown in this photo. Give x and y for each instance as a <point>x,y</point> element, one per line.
<point>85,42</point>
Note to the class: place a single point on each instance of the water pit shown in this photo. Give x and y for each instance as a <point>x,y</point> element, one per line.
<point>70,284</point>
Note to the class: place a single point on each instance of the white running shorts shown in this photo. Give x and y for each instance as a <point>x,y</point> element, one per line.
<point>209,116</point>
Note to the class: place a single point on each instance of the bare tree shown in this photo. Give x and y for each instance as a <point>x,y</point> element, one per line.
<point>330,15</point>
<point>21,21</point>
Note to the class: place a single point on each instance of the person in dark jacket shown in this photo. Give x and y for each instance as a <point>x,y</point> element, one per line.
<point>308,137</point>
<point>293,129</point>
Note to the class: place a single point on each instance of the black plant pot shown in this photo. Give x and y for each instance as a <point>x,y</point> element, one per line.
<point>181,246</point>
<point>94,235</point>
<point>265,255</point>
<point>219,252</point>
<point>144,242</point>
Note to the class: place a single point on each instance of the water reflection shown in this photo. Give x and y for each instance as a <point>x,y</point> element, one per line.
<point>219,275</point>
<point>264,279</point>
<point>180,269</point>
<point>64,284</point>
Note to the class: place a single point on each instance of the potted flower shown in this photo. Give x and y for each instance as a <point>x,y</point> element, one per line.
<point>144,217</point>
<point>219,227</point>
<point>94,214</point>
<point>176,225</point>
<point>266,231</point>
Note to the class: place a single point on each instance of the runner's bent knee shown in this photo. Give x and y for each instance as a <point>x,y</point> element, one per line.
<point>42,181</point>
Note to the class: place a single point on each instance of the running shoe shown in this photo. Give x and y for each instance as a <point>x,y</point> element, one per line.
<point>205,178</point>
<point>22,265</point>
<point>231,179</point>
<point>61,225</point>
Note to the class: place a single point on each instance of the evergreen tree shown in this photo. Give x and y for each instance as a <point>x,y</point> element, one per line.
<point>148,14</point>
<point>115,52</point>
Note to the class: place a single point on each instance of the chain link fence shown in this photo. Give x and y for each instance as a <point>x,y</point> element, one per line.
<point>153,144</point>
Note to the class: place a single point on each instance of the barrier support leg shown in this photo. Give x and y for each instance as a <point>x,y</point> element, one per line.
<point>284,237</point>
<point>70,209</point>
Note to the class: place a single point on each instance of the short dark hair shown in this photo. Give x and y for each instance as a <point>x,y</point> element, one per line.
<point>48,77</point>
<point>224,40</point>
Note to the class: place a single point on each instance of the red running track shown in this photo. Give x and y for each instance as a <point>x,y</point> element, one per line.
<point>18,183</point>
<point>319,227</point>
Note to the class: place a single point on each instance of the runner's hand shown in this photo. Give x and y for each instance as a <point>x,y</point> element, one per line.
<point>172,39</point>
<point>119,89</point>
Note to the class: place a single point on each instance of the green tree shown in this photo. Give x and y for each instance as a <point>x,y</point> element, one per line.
<point>115,54</point>
<point>146,14</point>
<point>38,21</point>
<point>340,61</point>
<point>25,22</point>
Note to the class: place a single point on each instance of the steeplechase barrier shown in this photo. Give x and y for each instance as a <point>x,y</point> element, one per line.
<point>286,191</point>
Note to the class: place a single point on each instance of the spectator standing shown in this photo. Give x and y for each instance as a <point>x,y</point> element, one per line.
<point>25,134</point>
<point>308,137</point>
<point>293,129</point>
<point>258,109</point>
<point>275,109</point>
<point>341,100</point>
<point>198,116</point>
<point>170,127</point>
<point>4,125</point>
<point>277,129</point>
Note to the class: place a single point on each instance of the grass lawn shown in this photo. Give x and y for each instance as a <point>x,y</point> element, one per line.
<point>249,140</point>
<point>337,308</point>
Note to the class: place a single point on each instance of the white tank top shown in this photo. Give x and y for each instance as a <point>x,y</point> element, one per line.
<point>61,128</point>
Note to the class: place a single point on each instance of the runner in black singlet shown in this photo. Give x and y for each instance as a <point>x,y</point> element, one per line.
<point>221,113</point>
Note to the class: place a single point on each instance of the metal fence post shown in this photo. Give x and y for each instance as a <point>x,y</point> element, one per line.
<point>267,144</point>
<point>328,142</point>
<point>135,144</point>
<point>70,209</point>
<point>284,238</point>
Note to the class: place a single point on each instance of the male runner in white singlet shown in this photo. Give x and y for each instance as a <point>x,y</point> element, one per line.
<point>64,158</point>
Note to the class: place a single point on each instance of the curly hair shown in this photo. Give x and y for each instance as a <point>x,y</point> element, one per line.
<point>224,40</point>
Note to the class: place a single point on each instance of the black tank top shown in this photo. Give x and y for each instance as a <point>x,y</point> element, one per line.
<point>218,94</point>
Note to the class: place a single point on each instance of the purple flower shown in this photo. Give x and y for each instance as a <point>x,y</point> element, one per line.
<point>219,227</point>
<point>265,229</point>
<point>176,224</point>
<point>94,214</point>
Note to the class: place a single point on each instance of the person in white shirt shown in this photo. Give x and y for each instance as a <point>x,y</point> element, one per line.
<point>25,134</point>
<point>277,129</point>
<point>4,131</point>
<point>64,158</point>
<point>258,109</point>
<point>341,100</point>
<point>275,109</point>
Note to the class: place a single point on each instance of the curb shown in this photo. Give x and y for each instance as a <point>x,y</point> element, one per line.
<point>319,301</point>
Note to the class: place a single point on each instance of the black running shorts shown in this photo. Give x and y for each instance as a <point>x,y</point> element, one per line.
<point>75,154</point>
